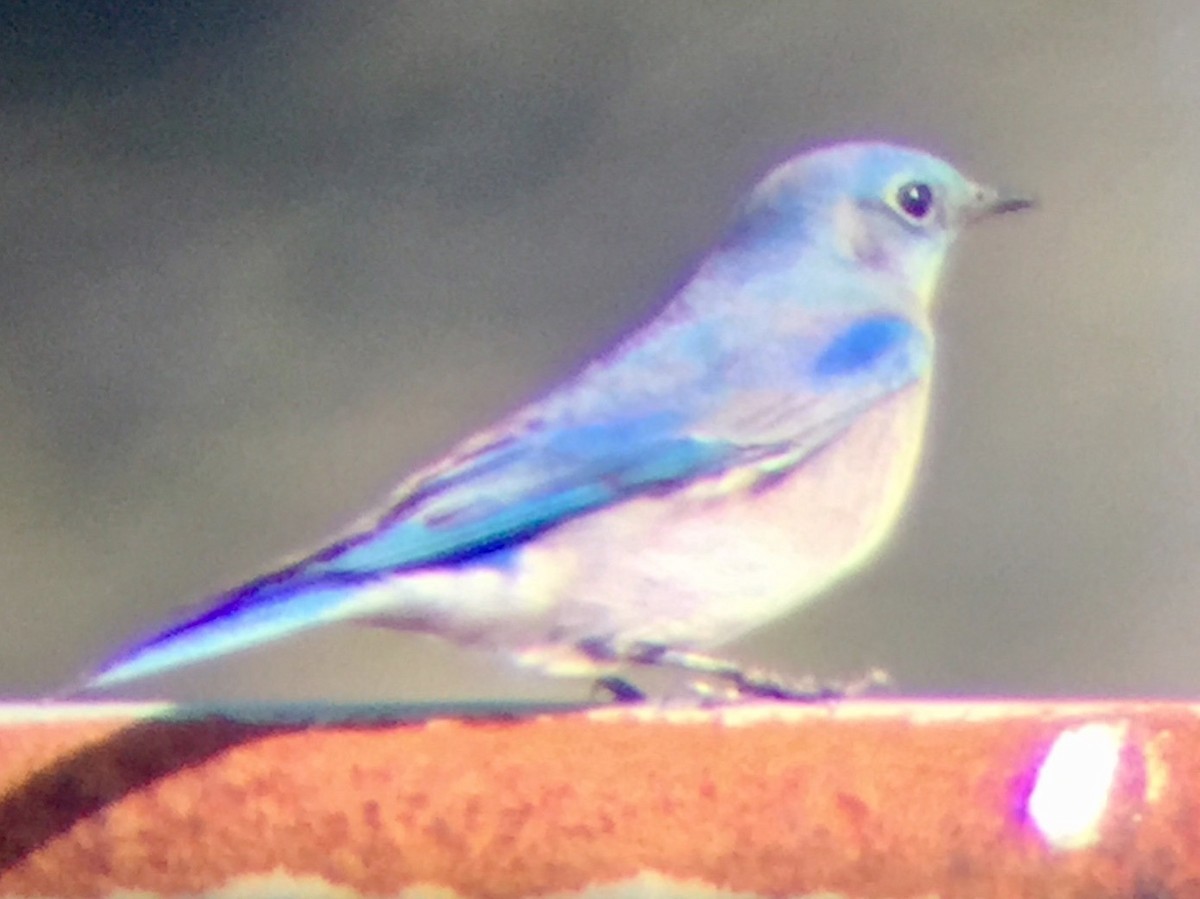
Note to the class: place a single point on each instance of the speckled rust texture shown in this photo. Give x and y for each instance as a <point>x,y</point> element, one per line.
<point>890,803</point>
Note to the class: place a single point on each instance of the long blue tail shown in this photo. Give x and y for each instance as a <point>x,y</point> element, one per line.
<point>267,609</point>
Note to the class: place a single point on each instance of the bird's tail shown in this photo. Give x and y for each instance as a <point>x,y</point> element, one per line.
<point>264,610</point>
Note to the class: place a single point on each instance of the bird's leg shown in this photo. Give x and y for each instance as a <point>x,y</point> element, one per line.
<point>753,682</point>
<point>757,683</point>
<point>763,684</point>
<point>747,682</point>
<point>617,689</point>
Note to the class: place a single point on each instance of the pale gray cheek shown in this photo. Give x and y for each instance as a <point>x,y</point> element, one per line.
<point>871,253</point>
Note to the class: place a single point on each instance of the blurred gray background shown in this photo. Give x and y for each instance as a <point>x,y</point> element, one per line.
<point>261,259</point>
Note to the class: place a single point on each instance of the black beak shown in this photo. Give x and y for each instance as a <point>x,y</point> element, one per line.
<point>989,201</point>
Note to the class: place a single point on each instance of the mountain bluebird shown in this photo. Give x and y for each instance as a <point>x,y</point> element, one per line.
<point>721,466</point>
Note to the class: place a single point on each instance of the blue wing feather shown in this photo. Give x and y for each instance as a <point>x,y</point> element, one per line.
<point>513,493</point>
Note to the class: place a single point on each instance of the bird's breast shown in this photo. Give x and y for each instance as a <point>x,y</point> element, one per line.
<point>700,566</point>
<point>838,504</point>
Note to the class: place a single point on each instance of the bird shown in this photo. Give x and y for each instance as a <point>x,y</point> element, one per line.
<point>749,445</point>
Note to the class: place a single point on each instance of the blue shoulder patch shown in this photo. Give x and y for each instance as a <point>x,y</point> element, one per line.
<point>862,345</point>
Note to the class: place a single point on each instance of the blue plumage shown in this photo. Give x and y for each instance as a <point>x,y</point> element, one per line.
<point>725,462</point>
<point>863,349</point>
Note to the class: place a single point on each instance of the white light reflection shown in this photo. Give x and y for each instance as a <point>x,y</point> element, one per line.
<point>1073,784</point>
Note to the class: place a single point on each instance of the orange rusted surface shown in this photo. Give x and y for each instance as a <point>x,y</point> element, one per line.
<point>866,799</point>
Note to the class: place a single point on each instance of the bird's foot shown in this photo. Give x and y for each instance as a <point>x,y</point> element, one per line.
<point>758,683</point>
<point>735,683</point>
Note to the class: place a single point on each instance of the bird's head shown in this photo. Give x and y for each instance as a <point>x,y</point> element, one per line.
<point>874,206</point>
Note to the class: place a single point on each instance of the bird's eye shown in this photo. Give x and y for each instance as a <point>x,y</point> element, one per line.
<point>915,199</point>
